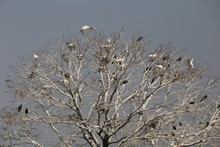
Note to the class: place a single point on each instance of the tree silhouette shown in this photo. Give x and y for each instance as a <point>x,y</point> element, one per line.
<point>99,89</point>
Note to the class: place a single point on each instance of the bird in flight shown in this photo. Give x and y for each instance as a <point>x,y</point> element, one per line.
<point>19,108</point>
<point>86,27</point>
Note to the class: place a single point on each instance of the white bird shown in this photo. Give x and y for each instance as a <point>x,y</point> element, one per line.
<point>65,82</point>
<point>189,63</point>
<point>153,56</point>
<point>107,46</point>
<point>86,27</point>
<point>70,45</point>
<point>109,40</point>
<point>160,66</point>
<point>36,57</point>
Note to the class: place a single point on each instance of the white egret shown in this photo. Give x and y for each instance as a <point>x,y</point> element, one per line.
<point>86,27</point>
<point>70,45</point>
<point>189,63</point>
<point>203,98</point>
<point>160,66</point>
<point>36,57</point>
<point>65,82</point>
<point>106,46</point>
<point>152,56</point>
<point>109,40</point>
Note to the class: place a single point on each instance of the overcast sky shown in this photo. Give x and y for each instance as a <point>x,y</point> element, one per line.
<point>27,25</point>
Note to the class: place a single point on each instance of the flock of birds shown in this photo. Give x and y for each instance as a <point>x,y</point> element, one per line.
<point>71,46</point>
<point>188,61</point>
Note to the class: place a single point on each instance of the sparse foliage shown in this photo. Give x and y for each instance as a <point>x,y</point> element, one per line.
<point>97,89</point>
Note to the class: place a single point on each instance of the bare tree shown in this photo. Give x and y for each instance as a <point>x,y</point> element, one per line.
<point>98,89</point>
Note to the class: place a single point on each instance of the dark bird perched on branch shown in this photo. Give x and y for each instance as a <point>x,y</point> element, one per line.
<point>193,102</point>
<point>154,78</point>
<point>67,75</point>
<point>203,98</point>
<point>124,82</point>
<point>140,38</point>
<point>148,68</point>
<point>26,111</point>
<point>179,59</point>
<point>19,108</point>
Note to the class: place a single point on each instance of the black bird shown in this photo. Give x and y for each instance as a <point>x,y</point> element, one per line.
<point>179,59</point>
<point>148,68</point>
<point>193,102</point>
<point>26,111</point>
<point>207,124</point>
<point>125,82</point>
<point>67,75</point>
<point>140,38</point>
<point>174,127</point>
<point>180,124</point>
<point>153,80</point>
<point>19,108</point>
<point>203,98</point>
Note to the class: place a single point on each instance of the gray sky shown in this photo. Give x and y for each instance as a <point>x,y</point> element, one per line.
<point>27,25</point>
